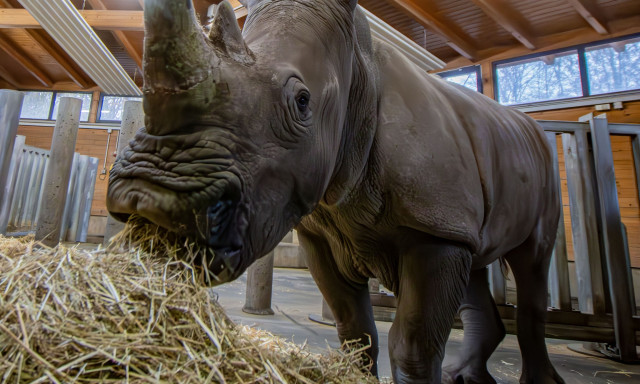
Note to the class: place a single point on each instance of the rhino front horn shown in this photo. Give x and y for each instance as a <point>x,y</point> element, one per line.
<point>225,35</point>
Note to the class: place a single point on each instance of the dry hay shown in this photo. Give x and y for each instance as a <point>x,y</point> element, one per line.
<point>88,316</point>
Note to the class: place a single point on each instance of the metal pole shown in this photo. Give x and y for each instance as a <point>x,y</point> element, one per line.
<point>259,286</point>
<point>10,106</point>
<point>614,242</point>
<point>57,178</point>
<point>132,120</point>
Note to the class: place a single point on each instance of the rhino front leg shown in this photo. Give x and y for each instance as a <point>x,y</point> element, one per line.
<point>433,278</point>
<point>349,302</point>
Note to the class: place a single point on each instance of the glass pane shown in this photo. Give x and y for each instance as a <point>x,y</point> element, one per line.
<point>113,106</point>
<point>36,105</point>
<point>469,80</point>
<point>86,104</point>
<point>549,77</point>
<point>614,67</point>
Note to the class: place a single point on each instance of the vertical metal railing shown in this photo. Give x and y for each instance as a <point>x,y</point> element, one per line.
<point>26,174</point>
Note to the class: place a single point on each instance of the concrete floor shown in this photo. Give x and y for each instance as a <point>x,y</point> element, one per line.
<point>295,297</point>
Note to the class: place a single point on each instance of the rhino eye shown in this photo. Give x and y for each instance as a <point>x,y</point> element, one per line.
<point>303,102</point>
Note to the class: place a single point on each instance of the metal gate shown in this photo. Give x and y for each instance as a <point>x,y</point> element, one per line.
<point>23,192</point>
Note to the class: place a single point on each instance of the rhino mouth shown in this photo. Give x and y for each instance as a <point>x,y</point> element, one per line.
<point>196,197</point>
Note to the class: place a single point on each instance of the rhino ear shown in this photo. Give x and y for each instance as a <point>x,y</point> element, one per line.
<point>226,36</point>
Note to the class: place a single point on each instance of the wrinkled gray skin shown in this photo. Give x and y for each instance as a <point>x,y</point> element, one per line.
<point>385,171</point>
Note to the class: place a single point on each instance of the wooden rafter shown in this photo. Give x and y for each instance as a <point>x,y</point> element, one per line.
<point>53,49</point>
<point>457,42</point>
<point>509,19</point>
<point>102,20</point>
<point>28,64</point>
<point>6,76</point>
<point>120,36</point>
<point>590,11</point>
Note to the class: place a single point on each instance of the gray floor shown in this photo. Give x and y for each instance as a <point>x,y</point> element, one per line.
<point>295,296</point>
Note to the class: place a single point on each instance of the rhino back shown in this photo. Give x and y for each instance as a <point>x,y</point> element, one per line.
<point>460,165</point>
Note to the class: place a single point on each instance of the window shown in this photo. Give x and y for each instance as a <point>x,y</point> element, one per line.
<point>86,104</point>
<point>43,105</point>
<point>549,77</point>
<point>111,107</point>
<point>613,67</point>
<point>36,105</point>
<point>467,77</point>
<point>592,69</point>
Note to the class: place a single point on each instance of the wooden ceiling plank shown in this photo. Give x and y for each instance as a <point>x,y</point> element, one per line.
<point>590,11</point>
<point>25,61</point>
<point>6,76</point>
<point>120,36</point>
<point>102,20</point>
<point>429,21</point>
<point>508,19</point>
<point>53,49</point>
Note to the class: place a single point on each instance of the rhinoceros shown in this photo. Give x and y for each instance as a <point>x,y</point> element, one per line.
<point>303,120</point>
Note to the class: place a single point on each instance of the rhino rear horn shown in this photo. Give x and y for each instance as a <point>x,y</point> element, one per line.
<point>225,34</point>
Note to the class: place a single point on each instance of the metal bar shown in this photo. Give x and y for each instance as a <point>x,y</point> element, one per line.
<point>90,184</point>
<point>583,223</point>
<point>9,186</point>
<point>83,161</point>
<point>24,193</point>
<point>67,215</point>
<point>617,264</point>
<point>18,193</point>
<point>559,287</point>
<point>497,283</point>
<point>45,157</point>
<point>574,126</point>
<point>10,106</point>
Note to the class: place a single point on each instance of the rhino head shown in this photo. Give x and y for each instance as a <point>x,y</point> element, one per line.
<point>245,132</point>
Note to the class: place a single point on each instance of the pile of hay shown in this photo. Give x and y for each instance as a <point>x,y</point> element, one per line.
<point>87,316</point>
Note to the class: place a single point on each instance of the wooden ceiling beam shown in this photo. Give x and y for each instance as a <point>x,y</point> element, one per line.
<point>102,20</point>
<point>509,19</point>
<point>53,49</point>
<point>454,40</point>
<point>590,11</point>
<point>6,76</point>
<point>120,36</point>
<point>25,61</point>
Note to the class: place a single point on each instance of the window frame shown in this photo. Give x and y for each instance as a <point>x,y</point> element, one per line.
<point>463,71</point>
<point>102,95</point>
<point>582,66</point>
<point>54,94</point>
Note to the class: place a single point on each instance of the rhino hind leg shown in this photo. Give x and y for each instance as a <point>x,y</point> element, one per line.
<point>530,265</point>
<point>483,331</point>
<point>432,282</point>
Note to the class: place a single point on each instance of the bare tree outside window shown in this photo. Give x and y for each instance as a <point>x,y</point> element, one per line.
<point>549,77</point>
<point>613,67</point>
<point>86,103</point>
<point>113,106</point>
<point>36,105</point>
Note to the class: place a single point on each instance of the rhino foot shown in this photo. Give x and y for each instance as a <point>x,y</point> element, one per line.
<point>466,375</point>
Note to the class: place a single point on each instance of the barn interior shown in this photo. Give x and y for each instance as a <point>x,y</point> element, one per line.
<point>573,65</point>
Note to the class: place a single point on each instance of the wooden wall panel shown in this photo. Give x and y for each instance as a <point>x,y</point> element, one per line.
<point>91,142</point>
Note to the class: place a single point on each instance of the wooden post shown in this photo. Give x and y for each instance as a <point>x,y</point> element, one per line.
<point>10,106</point>
<point>584,223</point>
<point>620,283</point>
<point>259,286</point>
<point>132,120</point>
<point>56,179</point>
<point>559,288</point>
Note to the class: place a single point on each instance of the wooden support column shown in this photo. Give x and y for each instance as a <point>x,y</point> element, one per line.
<point>584,223</point>
<point>10,106</point>
<point>559,288</point>
<point>615,246</point>
<point>132,120</point>
<point>259,286</point>
<point>56,182</point>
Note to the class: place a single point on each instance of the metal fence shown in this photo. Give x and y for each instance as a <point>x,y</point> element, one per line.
<point>23,192</point>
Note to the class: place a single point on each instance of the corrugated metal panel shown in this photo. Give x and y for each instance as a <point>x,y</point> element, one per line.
<point>66,26</point>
